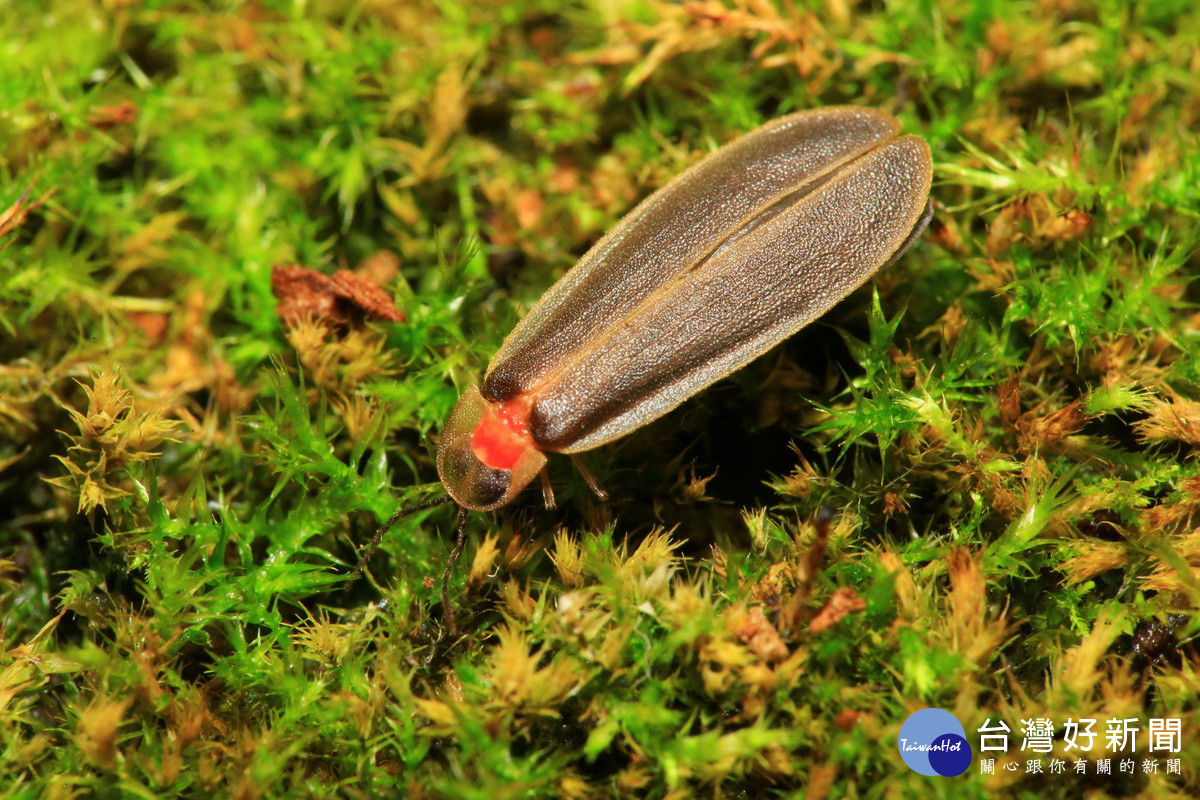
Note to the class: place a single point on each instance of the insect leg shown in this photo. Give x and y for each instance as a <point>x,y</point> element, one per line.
<point>547,491</point>
<point>449,612</point>
<point>601,495</point>
<point>368,552</point>
<point>460,539</point>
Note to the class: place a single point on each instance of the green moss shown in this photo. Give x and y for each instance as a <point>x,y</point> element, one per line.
<point>1005,424</point>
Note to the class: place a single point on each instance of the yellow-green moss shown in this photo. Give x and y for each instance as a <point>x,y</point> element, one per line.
<point>1005,424</point>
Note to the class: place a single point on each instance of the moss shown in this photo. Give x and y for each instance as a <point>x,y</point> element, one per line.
<point>1004,423</point>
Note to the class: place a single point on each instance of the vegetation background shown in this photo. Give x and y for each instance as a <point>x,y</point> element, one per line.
<point>1005,423</point>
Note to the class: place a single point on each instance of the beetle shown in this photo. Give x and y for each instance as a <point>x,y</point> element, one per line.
<point>726,260</point>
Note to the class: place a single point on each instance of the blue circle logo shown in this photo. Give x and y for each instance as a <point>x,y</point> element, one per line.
<point>933,742</point>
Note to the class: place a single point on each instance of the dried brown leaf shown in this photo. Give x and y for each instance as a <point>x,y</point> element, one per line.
<point>111,116</point>
<point>755,630</point>
<point>845,601</point>
<point>14,216</point>
<point>341,300</point>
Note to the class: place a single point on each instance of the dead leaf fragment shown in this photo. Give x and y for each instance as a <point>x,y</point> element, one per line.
<point>153,324</point>
<point>756,631</point>
<point>1067,226</point>
<point>14,216</point>
<point>847,719</point>
<point>367,296</point>
<point>843,603</point>
<point>105,117</point>
<point>342,300</point>
<point>529,207</point>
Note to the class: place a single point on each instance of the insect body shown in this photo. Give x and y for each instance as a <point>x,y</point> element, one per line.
<point>726,260</point>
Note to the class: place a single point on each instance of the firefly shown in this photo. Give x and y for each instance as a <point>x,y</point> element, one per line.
<point>729,258</point>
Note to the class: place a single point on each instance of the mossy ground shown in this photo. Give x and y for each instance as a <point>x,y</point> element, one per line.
<point>1006,423</point>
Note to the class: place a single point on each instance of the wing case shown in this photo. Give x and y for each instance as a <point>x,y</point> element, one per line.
<point>729,258</point>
